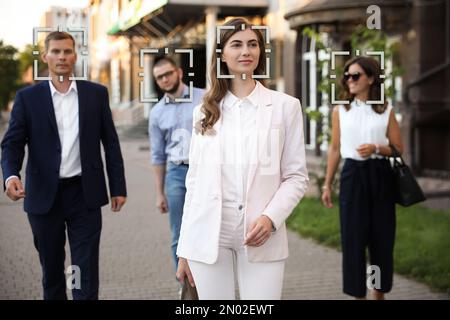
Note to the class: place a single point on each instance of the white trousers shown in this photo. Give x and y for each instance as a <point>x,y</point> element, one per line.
<point>256,280</point>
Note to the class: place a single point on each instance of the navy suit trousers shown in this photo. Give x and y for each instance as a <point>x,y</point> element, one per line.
<point>69,212</point>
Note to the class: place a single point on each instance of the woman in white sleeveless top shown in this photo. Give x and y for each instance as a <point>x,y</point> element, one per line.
<point>361,134</point>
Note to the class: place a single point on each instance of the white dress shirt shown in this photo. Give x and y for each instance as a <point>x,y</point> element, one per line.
<point>67,120</point>
<point>238,140</point>
<point>361,125</point>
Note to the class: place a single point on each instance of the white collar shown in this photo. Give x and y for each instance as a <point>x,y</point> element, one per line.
<point>53,90</point>
<point>230,99</point>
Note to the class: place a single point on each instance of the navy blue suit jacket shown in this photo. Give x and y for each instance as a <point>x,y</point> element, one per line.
<point>33,123</point>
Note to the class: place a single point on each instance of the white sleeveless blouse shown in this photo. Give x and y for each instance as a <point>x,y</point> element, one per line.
<point>361,125</point>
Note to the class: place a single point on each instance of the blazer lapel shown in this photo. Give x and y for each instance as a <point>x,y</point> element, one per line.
<point>48,104</point>
<point>82,106</point>
<point>210,152</point>
<point>263,120</point>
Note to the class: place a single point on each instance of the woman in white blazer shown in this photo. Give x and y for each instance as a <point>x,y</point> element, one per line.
<point>247,172</point>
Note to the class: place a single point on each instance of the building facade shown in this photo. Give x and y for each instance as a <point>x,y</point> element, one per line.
<point>422,100</point>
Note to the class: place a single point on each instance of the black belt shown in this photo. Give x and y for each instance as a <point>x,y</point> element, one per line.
<point>71,180</point>
<point>180,163</point>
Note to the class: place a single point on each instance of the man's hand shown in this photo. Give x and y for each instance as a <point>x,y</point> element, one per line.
<point>161,203</point>
<point>117,203</point>
<point>259,232</point>
<point>14,189</point>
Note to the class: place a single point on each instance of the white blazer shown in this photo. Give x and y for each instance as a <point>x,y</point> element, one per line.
<point>277,180</point>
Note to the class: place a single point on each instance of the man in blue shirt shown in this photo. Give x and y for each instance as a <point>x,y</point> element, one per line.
<point>170,128</point>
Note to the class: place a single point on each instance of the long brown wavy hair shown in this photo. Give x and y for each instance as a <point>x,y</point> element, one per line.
<point>371,68</point>
<point>219,87</point>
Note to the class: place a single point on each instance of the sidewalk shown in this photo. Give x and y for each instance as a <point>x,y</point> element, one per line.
<point>135,261</point>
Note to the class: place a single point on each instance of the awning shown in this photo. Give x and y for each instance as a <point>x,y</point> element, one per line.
<point>132,15</point>
<point>114,29</point>
<point>158,18</point>
<point>330,11</point>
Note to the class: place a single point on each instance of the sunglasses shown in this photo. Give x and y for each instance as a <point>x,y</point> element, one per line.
<point>167,74</point>
<point>355,76</point>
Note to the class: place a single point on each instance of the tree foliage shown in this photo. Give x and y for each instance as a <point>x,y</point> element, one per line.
<point>9,74</point>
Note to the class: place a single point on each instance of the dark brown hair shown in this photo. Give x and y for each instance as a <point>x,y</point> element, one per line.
<point>58,35</point>
<point>163,60</point>
<point>371,68</point>
<point>219,87</point>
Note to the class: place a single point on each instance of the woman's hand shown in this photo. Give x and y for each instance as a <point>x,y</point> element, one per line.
<point>365,150</point>
<point>184,271</point>
<point>259,231</point>
<point>326,197</point>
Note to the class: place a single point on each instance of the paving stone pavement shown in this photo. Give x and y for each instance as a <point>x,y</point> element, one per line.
<point>135,261</point>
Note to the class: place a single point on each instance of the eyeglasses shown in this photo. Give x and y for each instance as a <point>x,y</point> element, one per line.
<point>355,76</point>
<point>166,74</point>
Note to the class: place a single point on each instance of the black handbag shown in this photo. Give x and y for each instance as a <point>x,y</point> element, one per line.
<point>408,191</point>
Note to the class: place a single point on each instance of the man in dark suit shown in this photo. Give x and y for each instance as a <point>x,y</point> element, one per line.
<point>63,122</point>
